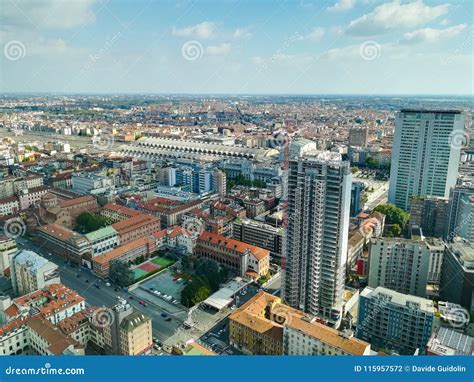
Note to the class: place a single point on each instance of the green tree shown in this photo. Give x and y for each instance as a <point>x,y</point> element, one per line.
<point>354,170</point>
<point>393,214</point>
<point>120,273</point>
<point>371,163</point>
<point>394,231</point>
<point>88,222</point>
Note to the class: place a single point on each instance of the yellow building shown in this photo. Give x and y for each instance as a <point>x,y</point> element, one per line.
<point>136,336</point>
<point>251,328</point>
<point>265,326</point>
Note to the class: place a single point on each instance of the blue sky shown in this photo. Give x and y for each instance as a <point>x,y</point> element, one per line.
<point>231,46</point>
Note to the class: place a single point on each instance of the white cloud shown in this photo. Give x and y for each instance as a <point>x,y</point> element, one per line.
<point>242,33</point>
<point>342,5</point>
<point>395,15</point>
<point>430,35</point>
<point>315,35</point>
<point>218,50</point>
<point>47,14</point>
<point>203,30</point>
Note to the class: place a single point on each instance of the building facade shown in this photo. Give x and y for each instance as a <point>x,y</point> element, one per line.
<point>457,274</point>
<point>30,272</point>
<point>316,241</point>
<point>246,259</point>
<point>424,163</point>
<point>394,322</point>
<point>261,235</point>
<point>399,264</point>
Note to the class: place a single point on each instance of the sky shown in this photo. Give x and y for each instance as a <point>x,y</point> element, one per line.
<point>371,47</point>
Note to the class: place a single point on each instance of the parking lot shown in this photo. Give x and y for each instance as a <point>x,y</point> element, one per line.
<point>217,338</point>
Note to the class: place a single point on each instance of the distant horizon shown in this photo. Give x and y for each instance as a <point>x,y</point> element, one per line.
<point>383,95</point>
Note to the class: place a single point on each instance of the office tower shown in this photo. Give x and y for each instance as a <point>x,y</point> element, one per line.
<point>357,203</point>
<point>358,136</point>
<point>425,155</point>
<point>430,214</point>
<point>457,274</point>
<point>460,221</point>
<point>315,245</point>
<point>393,321</point>
<point>219,182</point>
<point>399,264</point>
<point>30,272</point>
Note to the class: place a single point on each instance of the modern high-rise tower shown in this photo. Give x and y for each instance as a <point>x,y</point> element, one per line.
<point>426,154</point>
<point>315,245</point>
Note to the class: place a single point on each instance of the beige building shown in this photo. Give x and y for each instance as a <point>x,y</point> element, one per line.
<point>7,250</point>
<point>135,334</point>
<point>265,326</point>
<point>30,272</point>
<point>129,332</point>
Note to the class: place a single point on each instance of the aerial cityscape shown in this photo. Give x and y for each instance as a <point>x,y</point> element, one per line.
<point>178,205</point>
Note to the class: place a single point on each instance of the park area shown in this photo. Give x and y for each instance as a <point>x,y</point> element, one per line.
<point>150,267</point>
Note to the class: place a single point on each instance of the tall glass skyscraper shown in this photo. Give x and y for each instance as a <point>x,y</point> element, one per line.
<point>315,245</point>
<point>426,154</point>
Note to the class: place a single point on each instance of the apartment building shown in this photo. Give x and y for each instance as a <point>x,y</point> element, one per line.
<point>54,302</point>
<point>315,246</point>
<point>457,274</point>
<point>399,264</point>
<point>8,249</point>
<point>393,321</point>
<point>261,235</point>
<point>30,272</point>
<point>265,326</point>
<point>130,331</point>
<point>9,206</point>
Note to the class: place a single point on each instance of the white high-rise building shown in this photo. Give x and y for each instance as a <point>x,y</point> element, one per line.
<point>399,264</point>
<point>426,154</point>
<point>315,244</point>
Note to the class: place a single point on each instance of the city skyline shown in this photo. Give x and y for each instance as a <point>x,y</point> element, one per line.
<point>336,47</point>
